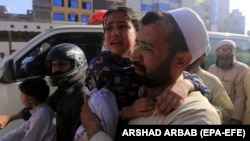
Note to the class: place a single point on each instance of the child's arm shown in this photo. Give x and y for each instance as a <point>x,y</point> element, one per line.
<point>6,119</point>
<point>141,107</point>
<point>174,96</point>
<point>171,98</point>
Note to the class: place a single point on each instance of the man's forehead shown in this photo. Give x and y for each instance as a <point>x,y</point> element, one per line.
<point>154,32</point>
<point>226,46</point>
<point>60,60</point>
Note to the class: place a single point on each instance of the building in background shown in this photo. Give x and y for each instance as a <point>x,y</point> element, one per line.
<point>16,29</point>
<point>214,13</point>
<point>67,11</point>
<point>6,16</point>
<point>62,10</point>
<point>105,4</point>
<point>4,9</point>
<point>236,22</point>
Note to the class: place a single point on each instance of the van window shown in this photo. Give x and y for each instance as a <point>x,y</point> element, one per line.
<point>33,64</point>
<point>242,49</point>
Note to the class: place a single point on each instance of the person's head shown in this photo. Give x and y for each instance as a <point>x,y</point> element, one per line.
<point>2,54</point>
<point>68,64</point>
<point>225,54</point>
<point>168,43</point>
<point>121,25</point>
<point>33,91</point>
<point>192,68</point>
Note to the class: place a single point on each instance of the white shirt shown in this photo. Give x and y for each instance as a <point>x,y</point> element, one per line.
<point>103,103</point>
<point>39,127</point>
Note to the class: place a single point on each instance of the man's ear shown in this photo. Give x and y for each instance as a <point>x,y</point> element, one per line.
<point>182,60</point>
<point>31,99</point>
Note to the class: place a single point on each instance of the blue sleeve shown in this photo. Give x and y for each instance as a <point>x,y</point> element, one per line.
<point>197,82</point>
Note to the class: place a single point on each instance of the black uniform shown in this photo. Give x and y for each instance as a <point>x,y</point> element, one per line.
<point>67,105</point>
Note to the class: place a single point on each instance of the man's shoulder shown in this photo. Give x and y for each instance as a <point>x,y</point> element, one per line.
<point>195,95</point>
<point>197,104</point>
<point>241,65</point>
<point>197,101</point>
<point>213,66</point>
<point>195,110</point>
<point>207,76</point>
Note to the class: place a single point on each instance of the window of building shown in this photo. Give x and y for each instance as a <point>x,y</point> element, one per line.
<point>87,5</point>
<point>146,7</point>
<point>85,19</point>
<point>73,17</point>
<point>58,17</point>
<point>58,3</point>
<point>214,13</point>
<point>175,1</point>
<point>163,6</point>
<point>235,23</point>
<point>73,4</point>
<point>213,19</point>
<point>199,7</point>
<point>25,26</point>
<point>215,2</point>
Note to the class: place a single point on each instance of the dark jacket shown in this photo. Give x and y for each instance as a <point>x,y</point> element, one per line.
<point>67,105</point>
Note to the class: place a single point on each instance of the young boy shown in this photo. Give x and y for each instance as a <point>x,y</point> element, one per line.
<point>40,127</point>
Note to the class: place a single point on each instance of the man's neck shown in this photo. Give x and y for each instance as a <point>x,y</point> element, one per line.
<point>154,92</point>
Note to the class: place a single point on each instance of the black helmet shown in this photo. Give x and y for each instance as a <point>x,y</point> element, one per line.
<point>79,64</point>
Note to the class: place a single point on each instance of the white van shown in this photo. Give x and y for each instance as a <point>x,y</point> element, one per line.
<point>25,62</point>
<point>242,49</point>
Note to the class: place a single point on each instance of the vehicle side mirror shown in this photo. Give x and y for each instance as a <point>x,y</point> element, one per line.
<point>8,75</point>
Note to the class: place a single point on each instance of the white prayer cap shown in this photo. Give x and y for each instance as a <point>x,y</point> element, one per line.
<point>193,30</point>
<point>226,42</point>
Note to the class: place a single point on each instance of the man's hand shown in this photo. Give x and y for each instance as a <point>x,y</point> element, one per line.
<point>89,120</point>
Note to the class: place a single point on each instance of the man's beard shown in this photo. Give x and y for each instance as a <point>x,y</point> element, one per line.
<point>225,63</point>
<point>56,73</point>
<point>158,77</point>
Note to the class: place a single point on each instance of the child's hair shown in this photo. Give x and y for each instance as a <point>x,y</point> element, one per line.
<point>132,15</point>
<point>35,87</point>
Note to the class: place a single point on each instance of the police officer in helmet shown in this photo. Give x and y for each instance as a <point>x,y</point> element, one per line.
<point>68,65</point>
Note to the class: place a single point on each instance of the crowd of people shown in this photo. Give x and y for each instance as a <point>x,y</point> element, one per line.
<point>150,74</point>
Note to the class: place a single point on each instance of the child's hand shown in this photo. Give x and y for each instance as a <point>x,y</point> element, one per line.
<point>4,120</point>
<point>141,107</point>
<point>173,96</point>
